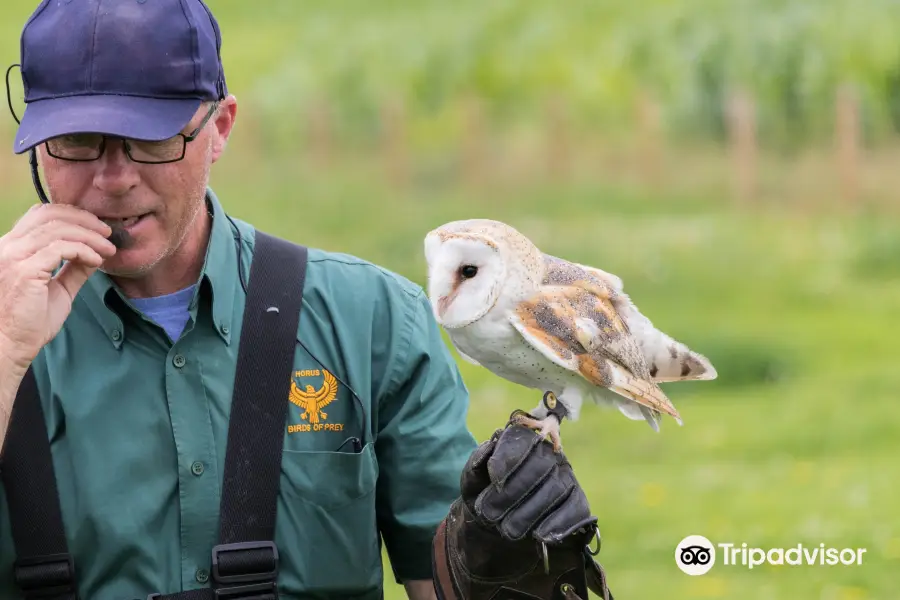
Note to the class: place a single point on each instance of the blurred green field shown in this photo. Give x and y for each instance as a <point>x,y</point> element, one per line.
<point>598,55</point>
<point>795,443</point>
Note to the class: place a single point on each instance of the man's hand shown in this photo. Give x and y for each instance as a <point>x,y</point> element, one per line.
<point>514,481</point>
<point>522,523</point>
<point>33,303</point>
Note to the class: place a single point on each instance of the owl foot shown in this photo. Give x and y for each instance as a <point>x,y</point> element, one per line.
<point>548,427</point>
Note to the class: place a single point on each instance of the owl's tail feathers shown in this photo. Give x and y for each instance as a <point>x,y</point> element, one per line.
<point>650,399</point>
<point>637,412</point>
<point>674,361</point>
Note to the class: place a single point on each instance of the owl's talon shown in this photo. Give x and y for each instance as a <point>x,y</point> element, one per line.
<point>547,428</point>
<point>550,429</point>
<point>520,417</point>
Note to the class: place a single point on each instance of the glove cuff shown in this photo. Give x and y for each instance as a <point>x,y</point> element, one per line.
<point>472,561</point>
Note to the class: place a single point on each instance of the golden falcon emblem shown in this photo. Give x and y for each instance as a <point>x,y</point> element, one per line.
<point>313,400</point>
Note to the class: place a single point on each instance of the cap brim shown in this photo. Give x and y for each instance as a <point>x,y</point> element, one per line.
<point>133,117</point>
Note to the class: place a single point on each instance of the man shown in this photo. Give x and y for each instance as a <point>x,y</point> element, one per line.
<point>133,346</point>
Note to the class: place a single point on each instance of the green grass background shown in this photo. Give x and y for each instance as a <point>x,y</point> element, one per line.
<point>796,442</point>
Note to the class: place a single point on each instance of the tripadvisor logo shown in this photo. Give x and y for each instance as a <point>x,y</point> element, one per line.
<point>696,555</point>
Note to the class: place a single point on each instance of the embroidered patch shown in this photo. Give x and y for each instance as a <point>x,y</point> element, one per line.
<point>312,400</point>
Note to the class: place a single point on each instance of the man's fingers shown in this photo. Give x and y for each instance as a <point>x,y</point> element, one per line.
<point>516,445</point>
<point>521,520</point>
<point>47,233</point>
<point>474,474</point>
<point>519,463</point>
<point>498,499</point>
<point>573,514</point>
<point>26,215</point>
<point>73,275</point>
<point>48,258</point>
<point>45,213</point>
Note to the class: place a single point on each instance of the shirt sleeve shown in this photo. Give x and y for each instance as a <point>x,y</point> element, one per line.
<point>422,445</point>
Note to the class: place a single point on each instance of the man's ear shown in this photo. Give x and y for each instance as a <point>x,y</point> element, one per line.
<point>223,121</point>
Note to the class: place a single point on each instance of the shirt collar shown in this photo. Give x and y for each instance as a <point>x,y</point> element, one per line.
<point>218,276</point>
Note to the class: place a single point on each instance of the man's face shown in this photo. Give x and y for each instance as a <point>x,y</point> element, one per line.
<point>166,198</point>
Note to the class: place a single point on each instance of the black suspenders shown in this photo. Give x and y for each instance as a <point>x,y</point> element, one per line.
<point>244,565</point>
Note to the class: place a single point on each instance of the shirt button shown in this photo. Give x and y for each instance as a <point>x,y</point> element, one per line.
<point>116,335</point>
<point>178,361</point>
<point>202,575</point>
<point>197,468</point>
<point>224,329</point>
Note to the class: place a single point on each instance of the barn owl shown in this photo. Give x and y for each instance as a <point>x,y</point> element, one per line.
<point>545,323</point>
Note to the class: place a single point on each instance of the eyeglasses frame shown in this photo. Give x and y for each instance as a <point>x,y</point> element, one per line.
<point>190,137</point>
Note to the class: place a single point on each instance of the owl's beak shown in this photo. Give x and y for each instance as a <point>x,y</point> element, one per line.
<point>443,303</point>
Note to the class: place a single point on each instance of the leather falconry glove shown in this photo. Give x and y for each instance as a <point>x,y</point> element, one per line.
<point>521,527</point>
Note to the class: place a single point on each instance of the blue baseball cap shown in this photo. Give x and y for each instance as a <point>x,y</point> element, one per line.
<point>128,68</point>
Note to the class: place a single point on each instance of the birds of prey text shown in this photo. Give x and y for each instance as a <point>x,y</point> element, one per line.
<point>546,323</point>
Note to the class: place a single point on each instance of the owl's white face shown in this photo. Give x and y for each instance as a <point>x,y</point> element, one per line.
<point>465,278</point>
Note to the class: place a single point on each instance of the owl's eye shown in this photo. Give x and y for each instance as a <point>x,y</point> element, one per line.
<point>468,271</point>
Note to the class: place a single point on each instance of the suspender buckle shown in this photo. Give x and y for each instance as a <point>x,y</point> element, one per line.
<point>253,564</point>
<point>45,576</point>
<point>261,591</point>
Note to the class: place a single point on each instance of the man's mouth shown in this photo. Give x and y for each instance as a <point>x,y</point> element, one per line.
<point>122,227</point>
<point>125,222</point>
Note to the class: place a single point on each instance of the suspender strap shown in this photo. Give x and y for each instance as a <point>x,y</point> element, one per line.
<point>245,562</point>
<point>246,553</point>
<point>44,568</point>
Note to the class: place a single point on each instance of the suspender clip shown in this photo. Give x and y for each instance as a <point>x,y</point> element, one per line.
<point>251,591</point>
<point>47,576</point>
<point>244,562</point>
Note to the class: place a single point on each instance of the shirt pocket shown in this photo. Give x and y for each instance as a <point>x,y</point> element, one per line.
<point>327,532</point>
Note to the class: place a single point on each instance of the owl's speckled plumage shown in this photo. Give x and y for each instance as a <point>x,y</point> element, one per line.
<point>549,324</point>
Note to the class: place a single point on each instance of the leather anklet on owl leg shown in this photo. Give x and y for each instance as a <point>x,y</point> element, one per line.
<point>548,426</point>
<point>556,412</point>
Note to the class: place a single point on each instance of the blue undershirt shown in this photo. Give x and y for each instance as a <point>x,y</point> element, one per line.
<point>170,311</point>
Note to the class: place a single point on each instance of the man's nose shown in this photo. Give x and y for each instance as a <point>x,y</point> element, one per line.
<point>116,173</point>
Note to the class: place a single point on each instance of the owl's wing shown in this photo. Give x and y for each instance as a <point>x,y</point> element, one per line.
<point>577,327</point>
<point>668,359</point>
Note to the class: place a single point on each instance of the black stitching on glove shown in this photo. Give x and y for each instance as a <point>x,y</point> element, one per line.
<point>517,482</point>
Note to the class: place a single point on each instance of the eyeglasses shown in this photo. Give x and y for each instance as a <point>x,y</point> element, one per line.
<point>85,147</point>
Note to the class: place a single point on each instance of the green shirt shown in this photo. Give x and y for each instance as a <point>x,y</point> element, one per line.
<point>138,428</point>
